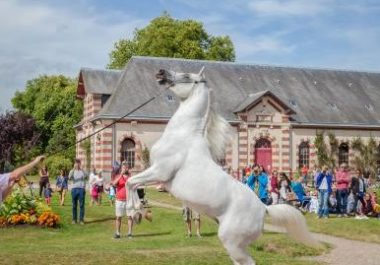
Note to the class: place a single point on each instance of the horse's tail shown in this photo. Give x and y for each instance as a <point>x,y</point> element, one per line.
<point>292,220</point>
<point>218,131</point>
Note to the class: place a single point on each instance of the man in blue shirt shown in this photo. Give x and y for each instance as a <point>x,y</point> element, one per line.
<point>324,187</point>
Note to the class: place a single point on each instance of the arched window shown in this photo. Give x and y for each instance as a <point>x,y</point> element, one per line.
<point>128,148</point>
<point>343,153</point>
<point>304,154</point>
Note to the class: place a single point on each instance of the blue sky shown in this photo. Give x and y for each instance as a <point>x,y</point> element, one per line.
<point>60,37</point>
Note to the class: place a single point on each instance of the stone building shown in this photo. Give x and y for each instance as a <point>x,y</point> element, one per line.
<point>275,111</point>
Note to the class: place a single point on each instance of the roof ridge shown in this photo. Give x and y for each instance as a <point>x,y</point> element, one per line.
<point>315,68</point>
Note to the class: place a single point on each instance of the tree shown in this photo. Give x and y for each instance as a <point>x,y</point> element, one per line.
<point>51,101</point>
<point>168,37</point>
<point>326,154</point>
<point>18,137</point>
<point>367,155</point>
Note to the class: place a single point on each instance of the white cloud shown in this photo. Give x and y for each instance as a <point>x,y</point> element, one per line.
<point>41,39</point>
<point>288,7</point>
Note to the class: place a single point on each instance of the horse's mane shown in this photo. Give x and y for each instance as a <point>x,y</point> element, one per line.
<point>217,131</point>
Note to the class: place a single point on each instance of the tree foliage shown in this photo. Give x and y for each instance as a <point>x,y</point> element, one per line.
<point>169,37</point>
<point>322,151</point>
<point>51,101</point>
<point>366,155</point>
<point>18,137</point>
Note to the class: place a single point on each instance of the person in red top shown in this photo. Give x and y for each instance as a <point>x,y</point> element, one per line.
<point>342,182</point>
<point>119,182</point>
<point>274,187</point>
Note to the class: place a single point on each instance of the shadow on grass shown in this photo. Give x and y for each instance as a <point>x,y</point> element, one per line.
<point>100,220</point>
<point>152,234</point>
<point>209,234</point>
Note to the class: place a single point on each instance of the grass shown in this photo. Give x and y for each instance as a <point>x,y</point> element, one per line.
<point>350,228</point>
<point>161,242</point>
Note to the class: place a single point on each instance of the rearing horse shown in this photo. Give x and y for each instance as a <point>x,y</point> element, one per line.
<point>183,159</point>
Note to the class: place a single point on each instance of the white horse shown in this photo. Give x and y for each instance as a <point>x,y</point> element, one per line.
<point>183,159</point>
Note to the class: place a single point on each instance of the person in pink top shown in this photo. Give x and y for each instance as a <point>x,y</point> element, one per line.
<point>274,187</point>
<point>342,182</point>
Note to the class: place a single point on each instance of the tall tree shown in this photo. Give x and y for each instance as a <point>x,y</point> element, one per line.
<point>18,136</point>
<point>367,155</point>
<point>51,101</point>
<point>169,37</point>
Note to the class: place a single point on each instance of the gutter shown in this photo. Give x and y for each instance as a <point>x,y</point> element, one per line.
<point>335,125</point>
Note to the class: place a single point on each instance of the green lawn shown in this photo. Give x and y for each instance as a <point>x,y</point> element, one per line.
<point>363,230</point>
<point>161,242</point>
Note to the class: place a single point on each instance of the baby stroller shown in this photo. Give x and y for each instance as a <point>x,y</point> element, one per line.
<point>141,193</point>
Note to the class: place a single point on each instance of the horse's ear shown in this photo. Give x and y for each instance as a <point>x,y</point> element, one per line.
<point>201,72</point>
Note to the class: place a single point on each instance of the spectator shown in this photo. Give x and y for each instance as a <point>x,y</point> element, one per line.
<point>358,190</point>
<point>48,191</point>
<point>324,187</point>
<point>342,182</point>
<point>44,178</point>
<point>100,186</point>
<point>285,187</point>
<point>62,186</point>
<point>262,181</point>
<point>370,202</point>
<point>94,191</point>
<point>120,182</point>
<point>78,191</point>
<point>111,194</point>
<point>188,215</point>
<point>8,180</point>
<point>333,203</point>
<point>252,179</point>
<point>314,206</point>
<point>299,190</point>
<point>274,187</point>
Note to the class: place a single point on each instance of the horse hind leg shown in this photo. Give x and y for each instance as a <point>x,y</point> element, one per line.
<point>236,247</point>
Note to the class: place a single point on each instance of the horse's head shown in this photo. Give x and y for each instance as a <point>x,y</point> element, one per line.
<point>182,84</point>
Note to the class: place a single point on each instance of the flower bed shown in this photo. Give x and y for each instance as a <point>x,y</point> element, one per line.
<point>20,208</point>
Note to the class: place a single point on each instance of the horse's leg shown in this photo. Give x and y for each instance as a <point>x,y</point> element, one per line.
<point>151,175</point>
<point>236,244</point>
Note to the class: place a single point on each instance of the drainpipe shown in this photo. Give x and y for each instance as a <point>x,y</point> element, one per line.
<point>291,149</point>
<point>113,143</point>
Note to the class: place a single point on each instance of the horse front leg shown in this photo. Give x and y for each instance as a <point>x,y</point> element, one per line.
<point>149,176</point>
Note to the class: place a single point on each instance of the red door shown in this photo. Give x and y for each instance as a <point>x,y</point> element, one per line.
<point>263,154</point>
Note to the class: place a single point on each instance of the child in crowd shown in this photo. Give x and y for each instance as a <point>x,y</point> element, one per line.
<point>333,203</point>
<point>111,194</point>
<point>48,191</point>
<point>314,205</point>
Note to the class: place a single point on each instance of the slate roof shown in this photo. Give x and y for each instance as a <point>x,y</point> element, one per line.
<point>255,98</point>
<point>316,95</point>
<point>99,81</point>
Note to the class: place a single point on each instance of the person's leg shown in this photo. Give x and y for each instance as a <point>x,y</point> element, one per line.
<point>63,193</point>
<point>130,226</point>
<point>74,200</point>
<point>118,226</point>
<point>320,203</point>
<point>355,206</point>
<point>188,227</point>
<point>197,222</point>
<point>339,205</point>
<point>344,196</point>
<point>82,195</point>
<point>119,212</point>
<point>41,187</point>
<point>325,207</point>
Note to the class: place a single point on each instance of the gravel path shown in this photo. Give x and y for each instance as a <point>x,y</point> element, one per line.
<point>344,252</point>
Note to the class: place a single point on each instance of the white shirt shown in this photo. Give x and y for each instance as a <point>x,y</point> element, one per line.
<point>4,182</point>
<point>324,185</point>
